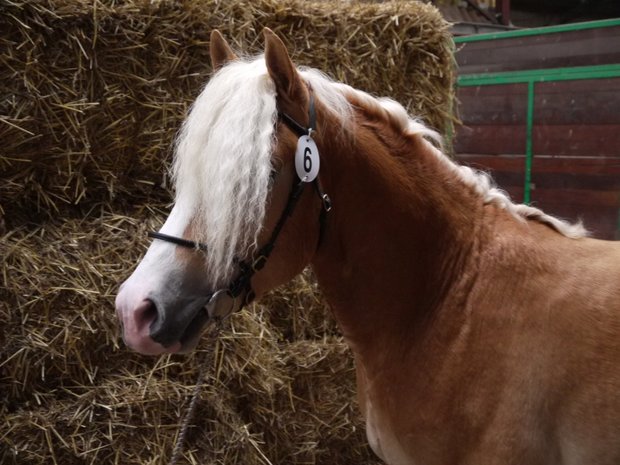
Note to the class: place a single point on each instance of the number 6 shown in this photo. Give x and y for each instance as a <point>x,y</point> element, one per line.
<point>307,159</point>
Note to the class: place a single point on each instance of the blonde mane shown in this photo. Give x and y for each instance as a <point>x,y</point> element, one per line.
<point>223,158</point>
<point>479,181</point>
<point>223,162</point>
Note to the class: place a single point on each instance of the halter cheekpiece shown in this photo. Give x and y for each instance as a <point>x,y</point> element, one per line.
<point>242,283</point>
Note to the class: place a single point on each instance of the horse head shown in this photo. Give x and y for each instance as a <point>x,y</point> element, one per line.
<point>243,220</point>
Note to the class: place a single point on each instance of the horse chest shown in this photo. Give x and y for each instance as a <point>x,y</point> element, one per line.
<point>382,439</point>
<point>400,429</point>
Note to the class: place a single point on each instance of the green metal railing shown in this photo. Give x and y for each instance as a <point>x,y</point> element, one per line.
<point>536,31</point>
<point>531,77</point>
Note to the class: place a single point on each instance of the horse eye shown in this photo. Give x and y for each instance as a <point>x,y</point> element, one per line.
<point>272,176</point>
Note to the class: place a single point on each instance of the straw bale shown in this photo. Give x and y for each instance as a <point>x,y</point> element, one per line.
<point>94,95</point>
<point>72,393</point>
<point>96,91</point>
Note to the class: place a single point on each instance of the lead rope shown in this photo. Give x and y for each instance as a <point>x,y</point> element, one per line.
<point>213,332</point>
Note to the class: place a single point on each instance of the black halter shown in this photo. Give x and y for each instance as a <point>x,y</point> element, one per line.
<point>242,283</point>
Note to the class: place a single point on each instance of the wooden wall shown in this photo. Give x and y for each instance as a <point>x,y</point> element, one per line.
<point>576,125</point>
<point>586,47</point>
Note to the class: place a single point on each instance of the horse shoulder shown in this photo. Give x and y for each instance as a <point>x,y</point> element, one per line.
<point>555,302</point>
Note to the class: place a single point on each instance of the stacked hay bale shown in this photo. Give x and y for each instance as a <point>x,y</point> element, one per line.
<point>92,95</point>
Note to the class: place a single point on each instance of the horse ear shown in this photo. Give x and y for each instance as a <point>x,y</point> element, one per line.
<point>221,53</point>
<point>280,66</point>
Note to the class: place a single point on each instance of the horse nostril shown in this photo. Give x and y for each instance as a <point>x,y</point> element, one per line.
<point>155,321</point>
<point>146,314</point>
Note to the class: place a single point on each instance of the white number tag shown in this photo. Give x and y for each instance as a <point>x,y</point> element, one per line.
<point>307,161</point>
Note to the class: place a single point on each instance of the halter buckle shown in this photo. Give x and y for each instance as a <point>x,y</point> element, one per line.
<point>327,202</point>
<point>259,262</point>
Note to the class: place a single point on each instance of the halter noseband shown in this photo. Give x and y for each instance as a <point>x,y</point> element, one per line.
<point>242,283</point>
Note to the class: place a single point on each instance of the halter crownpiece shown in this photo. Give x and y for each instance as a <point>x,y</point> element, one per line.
<point>298,128</point>
<point>222,302</point>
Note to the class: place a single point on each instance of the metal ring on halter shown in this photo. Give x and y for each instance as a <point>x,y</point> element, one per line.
<point>212,304</point>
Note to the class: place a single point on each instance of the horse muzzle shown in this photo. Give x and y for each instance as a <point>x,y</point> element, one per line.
<point>151,327</point>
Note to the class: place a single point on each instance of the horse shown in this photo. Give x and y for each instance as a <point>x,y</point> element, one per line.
<point>484,332</point>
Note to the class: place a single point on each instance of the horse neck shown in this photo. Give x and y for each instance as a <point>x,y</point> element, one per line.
<point>401,232</point>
